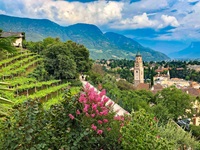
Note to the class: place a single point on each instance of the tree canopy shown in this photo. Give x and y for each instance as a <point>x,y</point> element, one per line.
<point>174,102</point>
<point>62,60</point>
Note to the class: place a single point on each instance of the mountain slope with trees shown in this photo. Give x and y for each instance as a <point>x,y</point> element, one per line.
<point>100,46</point>
<point>129,45</point>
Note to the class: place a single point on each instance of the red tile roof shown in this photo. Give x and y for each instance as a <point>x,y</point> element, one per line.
<point>143,86</point>
<point>192,91</point>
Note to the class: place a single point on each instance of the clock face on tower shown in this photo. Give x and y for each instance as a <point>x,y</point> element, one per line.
<point>136,65</point>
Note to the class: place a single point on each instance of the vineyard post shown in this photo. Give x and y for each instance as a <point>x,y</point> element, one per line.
<point>27,93</point>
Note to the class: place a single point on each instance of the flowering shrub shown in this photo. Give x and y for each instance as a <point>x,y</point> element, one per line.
<point>80,121</point>
<point>95,115</point>
<point>85,121</point>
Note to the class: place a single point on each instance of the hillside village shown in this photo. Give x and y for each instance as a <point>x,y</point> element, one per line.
<point>18,72</point>
<point>161,79</point>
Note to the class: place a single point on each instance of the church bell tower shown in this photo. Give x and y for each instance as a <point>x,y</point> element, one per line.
<point>138,70</point>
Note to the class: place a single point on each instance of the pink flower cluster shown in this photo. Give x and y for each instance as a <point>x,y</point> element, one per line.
<point>71,116</point>
<point>94,111</point>
<point>94,107</point>
<point>121,119</point>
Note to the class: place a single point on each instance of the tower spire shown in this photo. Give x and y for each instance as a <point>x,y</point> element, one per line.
<point>138,53</point>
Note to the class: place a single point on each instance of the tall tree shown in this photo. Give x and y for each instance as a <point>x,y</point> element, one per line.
<point>152,75</point>
<point>81,56</point>
<point>174,101</point>
<point>59,61</point>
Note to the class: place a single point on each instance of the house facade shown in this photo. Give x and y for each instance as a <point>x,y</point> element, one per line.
<point>18,36</point>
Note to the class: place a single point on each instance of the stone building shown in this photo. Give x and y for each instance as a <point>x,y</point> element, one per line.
<point>138,70</point>
<point>18,36</point>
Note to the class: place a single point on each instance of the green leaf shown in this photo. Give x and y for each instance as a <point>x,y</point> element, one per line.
<point>32,148</point>
<point>30,130</point>
<point>28,137</point>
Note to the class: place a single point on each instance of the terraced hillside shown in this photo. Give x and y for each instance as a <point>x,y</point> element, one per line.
<point>14,70</point>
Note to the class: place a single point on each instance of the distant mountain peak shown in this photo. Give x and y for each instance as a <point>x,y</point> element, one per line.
<point>85,27</point>
<point>195,44</point>
<point>191,52</point>
<point>101,46</point>
<point>84,24</point>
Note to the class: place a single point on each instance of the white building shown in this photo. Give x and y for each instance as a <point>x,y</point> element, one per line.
<point>18,37</point>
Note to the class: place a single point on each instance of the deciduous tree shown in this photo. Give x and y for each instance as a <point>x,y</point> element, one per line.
<point>175,101</point>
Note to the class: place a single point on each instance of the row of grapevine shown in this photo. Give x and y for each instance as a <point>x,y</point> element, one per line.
<point>17,81</point>
<point>35,85</point>
<point>19,63</point>
<point>19,70</point>
<point>58,99</point>
<point>10,60</point>
<point>13,70</point>
<point>39,95</point>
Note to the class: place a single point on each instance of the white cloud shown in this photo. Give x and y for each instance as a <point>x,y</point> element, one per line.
<point>192,1</point>
<point>169,21</point>
<point>2,12</point>
<point>143,21</point>
<point>138,21</point>
<point>122,15</point>
<point>144,6</point>
<point>189,24</point>
<point>98,13</point>
<point>63,12</point>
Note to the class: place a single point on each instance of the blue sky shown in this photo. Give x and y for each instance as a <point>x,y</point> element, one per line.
<point>164,25</point>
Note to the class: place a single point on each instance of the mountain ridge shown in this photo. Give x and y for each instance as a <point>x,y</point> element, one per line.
<point>190,52</point>
<point>100,45</point>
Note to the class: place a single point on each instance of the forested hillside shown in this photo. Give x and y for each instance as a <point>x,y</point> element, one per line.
<point>100,45</point>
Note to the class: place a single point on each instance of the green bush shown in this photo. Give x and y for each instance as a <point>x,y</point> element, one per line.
<point>141,133</point>
<point>177,136</point>
<point>195,131</point>
<point>80,121</point>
